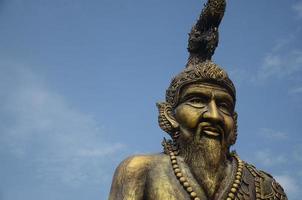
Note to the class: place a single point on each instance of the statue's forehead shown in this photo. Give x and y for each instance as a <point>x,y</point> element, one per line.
<point>203,88</point>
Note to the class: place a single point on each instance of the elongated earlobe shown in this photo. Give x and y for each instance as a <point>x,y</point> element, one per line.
<point>166,119</point>
<point>233,137</point>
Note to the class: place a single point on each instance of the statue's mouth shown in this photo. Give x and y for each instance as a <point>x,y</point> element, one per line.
<point>210,130</point>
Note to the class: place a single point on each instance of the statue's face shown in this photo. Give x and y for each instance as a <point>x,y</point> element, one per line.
<point>205,111</point>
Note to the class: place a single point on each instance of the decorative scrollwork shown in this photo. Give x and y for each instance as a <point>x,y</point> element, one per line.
<point>278,191</point>
<point>267,188</point>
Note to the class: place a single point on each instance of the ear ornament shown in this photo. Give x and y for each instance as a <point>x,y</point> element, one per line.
<point>166,119</point>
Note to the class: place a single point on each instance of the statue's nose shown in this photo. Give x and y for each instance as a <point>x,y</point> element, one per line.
<point>212,113</point>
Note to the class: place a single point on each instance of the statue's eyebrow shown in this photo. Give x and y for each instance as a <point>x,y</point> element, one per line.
<point>193,92</point>
<point>221,95</point>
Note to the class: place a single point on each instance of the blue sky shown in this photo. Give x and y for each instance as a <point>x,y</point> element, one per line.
<point>79,81</point>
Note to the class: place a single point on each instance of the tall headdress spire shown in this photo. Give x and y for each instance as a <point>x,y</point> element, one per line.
<point>204,35</point>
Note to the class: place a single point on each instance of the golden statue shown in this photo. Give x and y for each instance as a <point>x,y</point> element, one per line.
<point>199,115</point>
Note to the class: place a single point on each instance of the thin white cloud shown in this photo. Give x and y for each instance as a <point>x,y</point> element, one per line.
<point>109,150</point>
<point>297,7</point>
<point>61,143</point>
<point>296,90</point>
<point>267,158</point>
<point>297,155</point>
<point>284,60</point>
<point>273,134</point>
<point>280,65</point>
<point>284,42</point>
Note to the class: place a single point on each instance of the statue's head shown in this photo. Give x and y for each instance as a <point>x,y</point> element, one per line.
<point>200,101</point>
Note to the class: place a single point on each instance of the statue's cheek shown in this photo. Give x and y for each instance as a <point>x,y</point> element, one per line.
<point>229,125</point>
<point>188,116</point>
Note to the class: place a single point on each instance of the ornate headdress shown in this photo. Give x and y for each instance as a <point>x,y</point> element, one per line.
<point>203,40</point>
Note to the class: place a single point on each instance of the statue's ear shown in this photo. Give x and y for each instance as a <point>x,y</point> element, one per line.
<point>233,137</point>
<point>166,119</point>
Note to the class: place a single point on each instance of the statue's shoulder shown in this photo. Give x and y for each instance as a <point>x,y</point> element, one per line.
<point>265,184</point>
<point>143,162</point>
<point>131,175</point>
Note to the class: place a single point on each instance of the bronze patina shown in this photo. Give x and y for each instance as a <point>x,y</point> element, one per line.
<point>199,115</point>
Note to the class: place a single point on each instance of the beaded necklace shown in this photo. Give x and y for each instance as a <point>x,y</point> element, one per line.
<point>173,152</point>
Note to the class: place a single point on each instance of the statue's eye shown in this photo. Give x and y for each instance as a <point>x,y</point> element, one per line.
<point>198,102</point>
<point>225,108</point>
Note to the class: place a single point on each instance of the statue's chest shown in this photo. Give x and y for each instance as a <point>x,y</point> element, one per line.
<point>166,189</point>
<point>162,184</point>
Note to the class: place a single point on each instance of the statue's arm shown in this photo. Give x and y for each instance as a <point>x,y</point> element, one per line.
<point>129,179</point>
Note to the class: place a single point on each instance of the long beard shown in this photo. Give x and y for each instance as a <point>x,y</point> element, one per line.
<point>207,158</point>
<point>207,153</point>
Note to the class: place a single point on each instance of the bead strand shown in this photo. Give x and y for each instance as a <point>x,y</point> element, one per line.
<point>237,180</point>
<point>182,180</point>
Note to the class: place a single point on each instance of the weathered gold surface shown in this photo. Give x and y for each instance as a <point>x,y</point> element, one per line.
<point>199,115</point>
